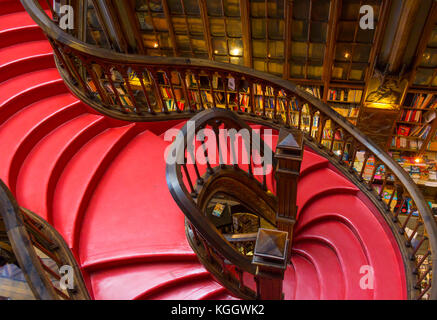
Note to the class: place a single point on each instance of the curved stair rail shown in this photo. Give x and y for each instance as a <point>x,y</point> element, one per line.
<point>40,252</point>
<point>140,88</point>
<point>194,181</point>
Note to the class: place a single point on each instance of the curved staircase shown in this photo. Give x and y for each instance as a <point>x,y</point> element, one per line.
<point>101,183</point>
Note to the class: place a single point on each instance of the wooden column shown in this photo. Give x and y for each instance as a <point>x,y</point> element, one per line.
<point>289,153</point>
<point>270,258</point>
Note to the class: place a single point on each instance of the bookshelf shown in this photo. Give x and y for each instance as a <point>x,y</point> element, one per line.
<point>414,127</point>
<point>346,101</point>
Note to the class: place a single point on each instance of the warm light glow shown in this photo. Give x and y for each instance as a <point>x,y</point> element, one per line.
<point>156,45</point>
<point>418,160</point>
<point>347,55</point>
<point>236,52</point>
<point>215,51</point>
<point>378,105</point>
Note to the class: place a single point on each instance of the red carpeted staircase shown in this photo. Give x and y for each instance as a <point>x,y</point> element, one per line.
<point>101,183</point>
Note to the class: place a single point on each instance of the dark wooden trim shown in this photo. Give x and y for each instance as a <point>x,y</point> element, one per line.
<point>170,27</point>
<point>205,23</point>
<point>247,32</point>
<point>287,35</point>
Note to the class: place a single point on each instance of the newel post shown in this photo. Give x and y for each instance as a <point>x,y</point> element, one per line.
<point>289,153</point>
<point>270,259</point>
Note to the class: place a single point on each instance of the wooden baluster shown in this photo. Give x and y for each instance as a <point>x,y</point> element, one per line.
<point>240,274</point>
<point>167,74</point>
<point>391,199</point>
<point>153,75</point>
<point>130,92</point>
<point>422,294</point>
<point>312,112</point>
<point>322,125</point>
<point>207,249</point>
<point>300,107</point>
<point>49,270</point>
<point>31,224</point>
<point>69,66</point>
<point>211,89</point>
<point>422,261</point>
<point>343,150</point>
<point>225,89</point>
<point>287,113</point>
<point>199,91</point>
<point>199,180</point>
<point>399,209</point>
<point>275,106</point>
<point>143,87</point>
<point>234,154</point>
<point>422,278</point>
<point>416,249</point>
<point>263,88</point>
<point>216,129</point>
<point>95,80</point>
<point>372,177</point>
<point>252,97</point>
<point>412,235</point>
<point>44,250</point>
<point>190,183</point>
<point>238,84</point>
<point>334,131</point>
<point>354,149</point>
<point>205,152</point>
<point>250,155</point>
<point>188,104</point>
<point>384,184</point>
<point>52,11</point>
<point>366,158</point>
<point>404,225</point>
<point>108,74</point>
<point>59,292</point>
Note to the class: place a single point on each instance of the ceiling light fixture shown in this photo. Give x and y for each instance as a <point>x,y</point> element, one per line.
<point>236,52</point>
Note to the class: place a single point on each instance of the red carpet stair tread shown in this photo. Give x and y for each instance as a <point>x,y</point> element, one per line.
<point>102,184</point>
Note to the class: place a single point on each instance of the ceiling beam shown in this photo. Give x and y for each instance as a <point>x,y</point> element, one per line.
<point>206,27</point>
<point>170,27</point>
<point>287,37</point>
<point>135,26</point>
<point>426,34</point>
<point>334,16</point>
<point>247,32</point>
<point>405,25</point>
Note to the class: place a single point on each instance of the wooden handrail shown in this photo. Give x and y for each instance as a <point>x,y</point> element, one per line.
<point>26,233</point>
<point>85,67</point>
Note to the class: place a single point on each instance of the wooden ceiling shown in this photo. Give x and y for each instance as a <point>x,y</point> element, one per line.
<point>307,41</point>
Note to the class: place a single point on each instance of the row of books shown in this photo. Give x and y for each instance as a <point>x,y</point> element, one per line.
<point>404,143</point>
<point>327,134</point>
<point>345,95</point>
<point>315,91</point>
<point>411,116</point>
<point>421,101</point>
<point>348,112</point>
<point>125,99</point>
<point>421,131</point>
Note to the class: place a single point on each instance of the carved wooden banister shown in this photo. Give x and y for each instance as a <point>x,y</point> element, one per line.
<point>27,234</point>
<point>163,88</point>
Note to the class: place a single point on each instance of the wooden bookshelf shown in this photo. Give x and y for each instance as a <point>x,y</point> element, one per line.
<point>346,101</point>
<point>414,130</point>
